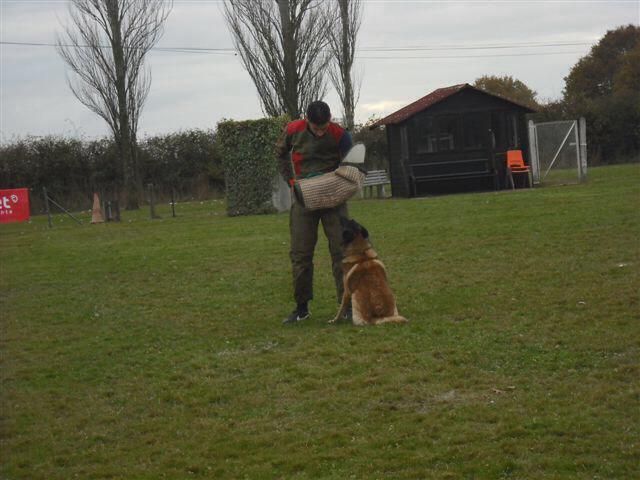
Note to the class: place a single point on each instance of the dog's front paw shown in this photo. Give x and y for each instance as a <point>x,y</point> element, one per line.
<point>333,320</point>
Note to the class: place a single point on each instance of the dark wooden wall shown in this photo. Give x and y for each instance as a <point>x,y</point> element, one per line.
<point>463,157</point>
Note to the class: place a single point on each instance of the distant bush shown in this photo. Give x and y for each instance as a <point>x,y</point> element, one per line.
<point>55,163</point>
<point>248,156</point>
<point>375,142</point>
<point>187,162</point>
<point>72,169</point>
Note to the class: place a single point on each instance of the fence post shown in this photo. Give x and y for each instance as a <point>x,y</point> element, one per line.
<point>46,205</point>
<point>173,202</point>
<point>116,195</point>
<point>116,206</point>
<point>152,206</point>
<point>582,123</point>
<point>533,149</point>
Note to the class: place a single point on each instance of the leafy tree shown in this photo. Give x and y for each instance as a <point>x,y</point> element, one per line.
<point>604,87</point>
<point>508,87</point>
<point>627,79</point>
<point>551,111</point>
<point>610,67</point>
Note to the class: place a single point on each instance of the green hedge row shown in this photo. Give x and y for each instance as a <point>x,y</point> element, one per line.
<point>248,157</point>
<point>186,163</point>
<point>195,164</point>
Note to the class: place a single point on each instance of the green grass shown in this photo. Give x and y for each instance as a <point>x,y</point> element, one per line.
<point>154,349</point>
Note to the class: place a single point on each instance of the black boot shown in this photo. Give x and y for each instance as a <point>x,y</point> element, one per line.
<point>301,312</point>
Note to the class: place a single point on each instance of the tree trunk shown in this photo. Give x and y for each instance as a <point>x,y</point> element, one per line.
<point>112,81</point>
<point>346,72</point>
<point>289,50</point>
<point>126,147</point>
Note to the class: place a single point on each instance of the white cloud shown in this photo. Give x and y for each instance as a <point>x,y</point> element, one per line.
<point>197,90</point>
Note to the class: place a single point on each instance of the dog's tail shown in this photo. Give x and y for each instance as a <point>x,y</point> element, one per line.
<point>392,319</point>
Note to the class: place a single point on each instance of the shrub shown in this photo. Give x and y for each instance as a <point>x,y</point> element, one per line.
<point>248,156</point>
<point>187,162</point>
<point>51,162</point>
<point>72,169</point>
<point>375,142</point>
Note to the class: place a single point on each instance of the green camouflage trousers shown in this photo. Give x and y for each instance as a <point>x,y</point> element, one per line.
<point>303,226</point>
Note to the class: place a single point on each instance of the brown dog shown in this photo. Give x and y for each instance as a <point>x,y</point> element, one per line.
<point>365,280</point>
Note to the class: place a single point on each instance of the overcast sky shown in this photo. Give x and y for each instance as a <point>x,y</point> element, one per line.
<point>536,42</point>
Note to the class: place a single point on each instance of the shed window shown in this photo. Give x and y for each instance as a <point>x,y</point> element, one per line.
<point>428,135</point>
<point>447,132</point>
<point>512,129</point>
<point>473,130</point>
<point>498,127</point>
<point>439,134</point>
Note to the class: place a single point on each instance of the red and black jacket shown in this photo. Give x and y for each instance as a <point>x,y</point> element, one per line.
<point>311,155</point>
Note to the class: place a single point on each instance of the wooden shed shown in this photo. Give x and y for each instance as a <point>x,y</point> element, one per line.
<point>453,139</point>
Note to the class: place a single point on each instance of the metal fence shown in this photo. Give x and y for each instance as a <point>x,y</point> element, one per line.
<point>558,152</point>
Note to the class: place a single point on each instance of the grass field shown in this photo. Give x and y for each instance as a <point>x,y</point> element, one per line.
<point>154,349</point>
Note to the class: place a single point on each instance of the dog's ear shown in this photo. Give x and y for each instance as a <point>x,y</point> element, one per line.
<point>347,236</point>
<point>364,232</point>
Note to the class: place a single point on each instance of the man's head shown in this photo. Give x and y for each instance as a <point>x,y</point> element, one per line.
<point>318,117</point>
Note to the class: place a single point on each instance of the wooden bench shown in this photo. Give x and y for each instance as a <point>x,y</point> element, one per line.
<point>375,178</point>
<point>467,169</point>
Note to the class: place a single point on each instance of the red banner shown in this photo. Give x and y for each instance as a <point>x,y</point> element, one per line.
<point>14,205</point>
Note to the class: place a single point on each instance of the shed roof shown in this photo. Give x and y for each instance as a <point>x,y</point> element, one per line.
<point>431,99</point>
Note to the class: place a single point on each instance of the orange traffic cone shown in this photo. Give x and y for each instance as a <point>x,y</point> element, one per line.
<point>96,213</point>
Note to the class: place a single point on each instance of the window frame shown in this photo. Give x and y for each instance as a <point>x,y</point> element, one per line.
<point>481,122</point>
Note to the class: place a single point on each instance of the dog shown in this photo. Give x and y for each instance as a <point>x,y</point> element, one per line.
<point>365,280</point>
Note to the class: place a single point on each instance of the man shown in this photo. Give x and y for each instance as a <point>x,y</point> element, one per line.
<point>310,147</point>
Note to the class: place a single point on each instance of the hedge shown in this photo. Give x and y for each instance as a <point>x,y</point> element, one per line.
<point>71,169</point>
<point>248,156</point>
<point>187,162</point>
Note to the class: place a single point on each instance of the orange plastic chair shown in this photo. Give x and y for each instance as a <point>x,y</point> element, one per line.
<point>516,165</point>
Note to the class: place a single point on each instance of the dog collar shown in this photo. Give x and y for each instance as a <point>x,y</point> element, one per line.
<point>368,254</point>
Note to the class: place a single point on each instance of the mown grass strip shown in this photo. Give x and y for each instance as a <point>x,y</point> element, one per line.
<point>154,349</point>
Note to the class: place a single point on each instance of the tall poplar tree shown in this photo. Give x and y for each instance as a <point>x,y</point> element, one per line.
<point>105,45</point>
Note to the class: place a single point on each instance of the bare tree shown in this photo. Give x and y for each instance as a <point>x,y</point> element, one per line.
<point>282,44</point>
<point>105,46</point>
<point>343,48</point>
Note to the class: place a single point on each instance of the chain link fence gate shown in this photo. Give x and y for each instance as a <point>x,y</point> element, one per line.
<point>558,152</point>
